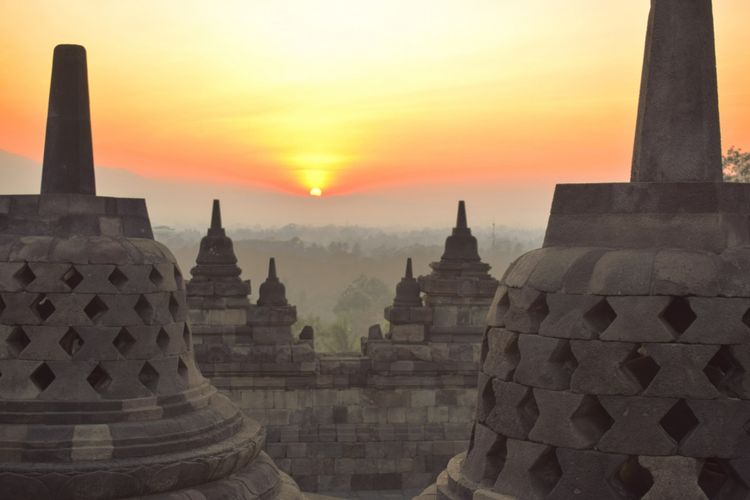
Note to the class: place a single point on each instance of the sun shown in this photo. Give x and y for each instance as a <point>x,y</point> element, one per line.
<point>316,191</point>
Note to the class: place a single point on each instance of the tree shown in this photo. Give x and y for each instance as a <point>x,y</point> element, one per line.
<point>736,165</point>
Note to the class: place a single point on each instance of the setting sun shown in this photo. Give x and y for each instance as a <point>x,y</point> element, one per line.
<point>316,192</point>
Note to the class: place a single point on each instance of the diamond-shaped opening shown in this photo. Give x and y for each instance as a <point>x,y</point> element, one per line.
<point>43,306</point>
<point>155,277</point>
<point>24,276</point>
<point>162,340</point>
<point>636,479</point>
<point>71,342</point>
<point>186,336</point>
<point>178,277</point>
<point>95,308</point>
<point>72,278</point>
<point>149,377</point>
<point>679,421</point>
<point>484,350</point>
<point>712,477</point>
<point>600,316</point>
<point>487,402</point>
<point>563,355</point>
<point>641,366</point>
<point>17,341</point>
<point>591,419</point>
<point>722,369</point>
<point>546,471</point>
<point>144,309</point>
<point>174,306</point>
<point>124,341</point>
<point>538,310</point>
<point>182,369</point>
<point>528,410</point>
<point>99,379</point>
<point>494,461</point>
<point>42,377</point>
<point>117,278</point>
<point>678,315</point>
<point>502,306</point>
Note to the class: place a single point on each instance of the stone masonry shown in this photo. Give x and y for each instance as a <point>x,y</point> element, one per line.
<point>388,418</point>
<point>460,289</point>
<point>100,397</point>
<point>616,358</point>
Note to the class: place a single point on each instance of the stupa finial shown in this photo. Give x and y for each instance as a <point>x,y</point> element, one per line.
<point>216,215</point>
<point>678,137</point>
<point>409,274</point>
<point>68,154</point>
<point>461,216</point>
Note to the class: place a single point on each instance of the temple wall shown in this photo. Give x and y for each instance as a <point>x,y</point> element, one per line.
<point>356,422</point>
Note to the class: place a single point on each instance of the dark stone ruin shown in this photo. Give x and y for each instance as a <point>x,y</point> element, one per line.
<point>100,397</point>
<point>616,360</point>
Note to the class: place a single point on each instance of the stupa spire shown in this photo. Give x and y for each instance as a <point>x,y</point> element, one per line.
<point>409,274</point>
<point>461,216</point>
<point>216,215</point>
<point>407,290</point>
<point>678,137</point>
<point>68,155</point>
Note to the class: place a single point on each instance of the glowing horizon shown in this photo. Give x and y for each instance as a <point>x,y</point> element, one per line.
<point>348,96</point>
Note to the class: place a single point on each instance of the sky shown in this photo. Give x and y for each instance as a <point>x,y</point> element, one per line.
<point>393,109</point>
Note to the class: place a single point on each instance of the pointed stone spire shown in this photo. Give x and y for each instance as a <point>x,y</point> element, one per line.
<point>461,245</point>
<point>272,292</point>
<point>216,257</point>
<point>678,138</point>
<point>68,155</point>
<point>461,216</point>
<point>409,274</point>
<point>216,215</point>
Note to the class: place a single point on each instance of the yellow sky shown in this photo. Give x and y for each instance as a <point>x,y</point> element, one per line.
<point>353,95</point>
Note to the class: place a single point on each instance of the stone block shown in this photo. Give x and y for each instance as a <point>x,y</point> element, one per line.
<point>531,471</point>
<point>721,432</point>
<point>503,353</point>
<point>569,420</point>
<point>575,316</point>
<point>407,333</point>
<point>528,308</point>
<point>519,271</point>
<point>623,272</point>
<point>681,371</point>
<point>637,427</point>
<point>603,368</point>
<point>512,409</point>
<point>718,320</point>
<point>685,272</point>
<point>545,362</point>
<point>673,477</point>
<point>639,319</point>
<point>588,475</point>
<point>550,271</point>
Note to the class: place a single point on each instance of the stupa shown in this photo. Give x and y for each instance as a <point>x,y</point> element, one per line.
<point>216,295</point>
<point>100,397</point>
<point>616,362</point>
<point>459,289</point>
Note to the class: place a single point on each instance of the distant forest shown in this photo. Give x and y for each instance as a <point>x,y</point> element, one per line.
<point>342,277</point>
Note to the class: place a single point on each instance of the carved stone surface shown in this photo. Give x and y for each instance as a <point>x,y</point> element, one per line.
<point>459,289</point>
<point>100,397</point>
<point>629,330</point>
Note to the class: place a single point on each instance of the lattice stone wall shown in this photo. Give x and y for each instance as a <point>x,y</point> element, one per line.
<point>591,377</point>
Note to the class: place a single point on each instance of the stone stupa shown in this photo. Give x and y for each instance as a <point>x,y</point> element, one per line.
<point>459,289</point>
<point>100,397</point>
<point>616,361</point>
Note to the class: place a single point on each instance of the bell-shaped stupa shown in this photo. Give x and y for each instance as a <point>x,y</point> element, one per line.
<point>100,397</point>
<point>616,362</point>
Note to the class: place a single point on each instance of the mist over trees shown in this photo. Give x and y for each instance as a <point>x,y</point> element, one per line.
<point>342,277</point>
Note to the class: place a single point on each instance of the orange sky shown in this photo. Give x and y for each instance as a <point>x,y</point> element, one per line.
<point>354,96</point>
